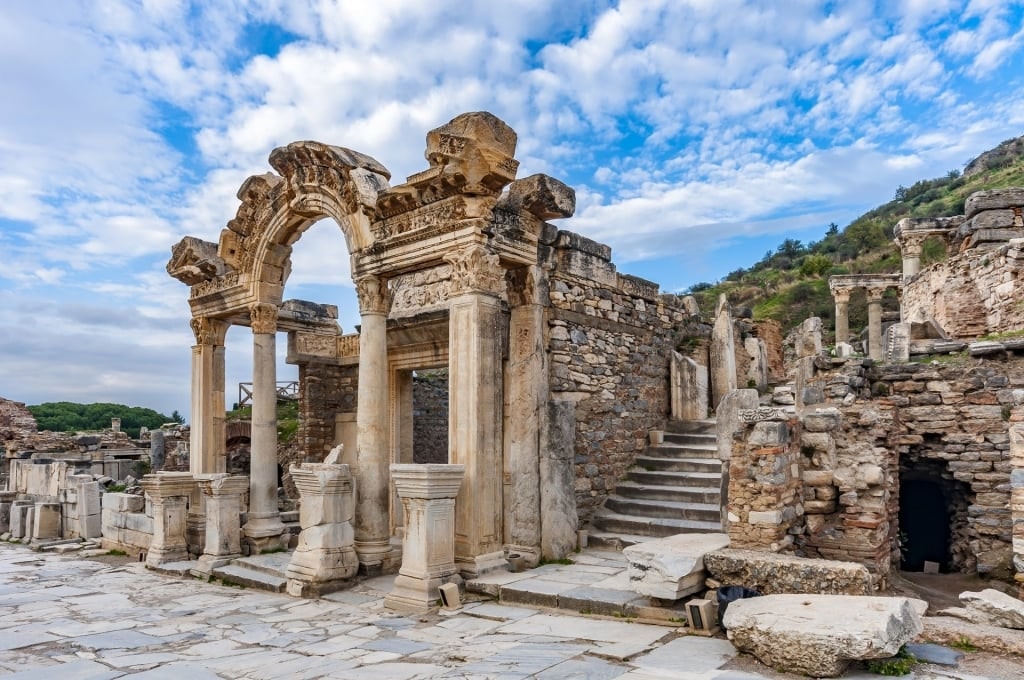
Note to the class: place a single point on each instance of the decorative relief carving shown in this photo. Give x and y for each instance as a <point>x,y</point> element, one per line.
<point>222,283</point>
<point>757,415</point>
<point>373,295</point>
<point>348,345</point>
<point>263,317</point>
<point>523,286</point>
<point>420,291</point>
<point>422,218</point>
<point>209,331</point>
<point>475,269</point>
<point>317,345</point>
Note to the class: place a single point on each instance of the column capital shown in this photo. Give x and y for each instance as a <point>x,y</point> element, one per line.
<point>875,294</point>
<point>372,292</point>
<point>263,317</point>
<point>911,245</point>
<point>841,295</point>
<point>209,331</point>
<point>476,270</point>
<point>523,285</point>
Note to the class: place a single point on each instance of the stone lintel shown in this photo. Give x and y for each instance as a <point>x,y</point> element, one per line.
<point>869,281</point>
<point>927,226</point>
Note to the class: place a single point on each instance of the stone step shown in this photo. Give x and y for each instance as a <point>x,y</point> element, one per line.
<point>691,426</point>
<point>272,564</point>
<point>250,578</point>
<point>648,463</point>
<point>683,494</point>
<point>612,541</point>
<point>707,512</point>
<point>675,478</point>
<point>607,521</point>
<point>695,438</point>
<point>669,450</point>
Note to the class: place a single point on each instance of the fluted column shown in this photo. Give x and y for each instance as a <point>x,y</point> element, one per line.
<point>373,542</point>
<point>875,323</point>
<point>264,526</point>
<point>475,406</point>
<point>842,298</point>
<point>206,438</point>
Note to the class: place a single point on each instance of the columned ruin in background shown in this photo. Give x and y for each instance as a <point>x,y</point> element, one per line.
<point>875,286</point>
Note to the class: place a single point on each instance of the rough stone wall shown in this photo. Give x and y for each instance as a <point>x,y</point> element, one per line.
<point>610,339</point>
<point>430,416</point>
<point>16,421</point>
<point>325,390</point>
<point>976,293</point>
<point>952,417</point>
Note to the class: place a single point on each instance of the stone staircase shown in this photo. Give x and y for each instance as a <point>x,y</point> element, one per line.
<point>263,572</point>
<point>673,488</point>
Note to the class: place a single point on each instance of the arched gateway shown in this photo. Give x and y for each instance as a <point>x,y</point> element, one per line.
<point>448,261</point>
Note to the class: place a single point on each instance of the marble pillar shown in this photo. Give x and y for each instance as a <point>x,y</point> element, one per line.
<point>842,298</point>
<point>722,353</point>
<point>689,388</point>
<point>528,393</point>
<point>263,530</point>
<point>223,500</point>
<point>428,495</point>
<point>911,248</point>
<point>875,323</point>
<point>475,406</point>
<point>372,539</point>
<point>206,434</point>
<point>325,557</point>
<point>169,494</point>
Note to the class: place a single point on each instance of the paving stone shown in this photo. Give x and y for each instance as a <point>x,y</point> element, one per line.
<point>117,639</point>
<point>177,671</point>
<point>535,591</point>
<point>12,639</point>
<point>82,669</point>
<point>499,612</point>
<point>582,669</point>
<point>601,601</point>
<point>690,654</point>
<point>395,645</point>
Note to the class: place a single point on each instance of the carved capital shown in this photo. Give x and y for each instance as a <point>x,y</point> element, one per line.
<point>842,297</point>
<point>209,331</point>
<point>263,317</point>
<point>372,292</point>
<point>524,286</point>
<point>476,270</point>
<point>875,295</point>
<point>911,245</point>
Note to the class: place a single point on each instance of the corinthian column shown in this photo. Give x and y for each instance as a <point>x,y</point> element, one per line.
<point>264,527</point>
<point>475,406</point>
<point>875,323</point>
<point>372,540</point>
<point>206,439</point>
<point>911,248</point>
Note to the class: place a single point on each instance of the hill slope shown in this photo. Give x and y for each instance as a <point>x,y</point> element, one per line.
<point>790,283</point>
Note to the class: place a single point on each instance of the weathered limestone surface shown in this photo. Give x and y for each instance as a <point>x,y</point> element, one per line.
<point>169,493</point>
<point>223,503</point>
<point>689,388</point>
<point>994,608</point>
<point>772,573</point>
<point>819,635</point>
<point>671,568</point>
<point>722,353</point>
<point>325,554</point>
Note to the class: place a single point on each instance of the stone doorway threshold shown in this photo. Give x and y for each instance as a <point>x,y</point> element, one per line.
<point>940,591</point>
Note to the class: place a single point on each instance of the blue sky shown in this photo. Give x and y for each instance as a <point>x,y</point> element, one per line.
<point>698,134</point>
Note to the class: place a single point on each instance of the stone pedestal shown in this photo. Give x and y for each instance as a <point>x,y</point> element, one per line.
<point>428,557</point>
<point>169,493</point>
<point>325,556</point>
<point>46,522</point>
<point>223,494</point>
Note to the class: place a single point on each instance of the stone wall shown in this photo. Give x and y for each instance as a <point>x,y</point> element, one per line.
<point>430,416</point>
<point>971,295</point>
<point>325,390</point>
<point>948,422</point>
<point>610,339</point>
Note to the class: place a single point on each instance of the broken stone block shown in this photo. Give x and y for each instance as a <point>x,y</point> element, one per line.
<point>772,573</point>
<point>673,567</point>
<point>819,635</point>
<point>994,608</point>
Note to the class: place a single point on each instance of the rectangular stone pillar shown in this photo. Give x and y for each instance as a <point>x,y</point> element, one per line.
<point>6,498</point>
<point>206,434</point>
<point>46,521</point>
<point>528,394</point>
<point>474,428</point>
<point>689,388</point>
<point>19,525</point>
<point>169,493</point>
<point>559,520</point>
<point>325,557</point>
<point>428,495</point>
<point>223,500</point>
<point>1017,501</point>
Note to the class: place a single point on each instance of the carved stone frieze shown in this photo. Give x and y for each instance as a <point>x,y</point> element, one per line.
<point>433,217</point>
<point>209,331</point>
<point>316,344</point>
<point>194,261</point>
<point>476,270</point>
<point>263,317</point>
<point>420,291</point>
<point>757,415</point>
<point>348,345</point>
<point>373,295</point>
<point>217,285</point>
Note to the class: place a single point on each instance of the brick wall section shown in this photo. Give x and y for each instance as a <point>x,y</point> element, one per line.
<point>324,392</point>
<point>430,416</point>
<point>610,338</point>
<point>956,416</point>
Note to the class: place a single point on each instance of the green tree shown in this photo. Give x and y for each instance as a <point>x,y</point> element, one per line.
<point>66,416</point>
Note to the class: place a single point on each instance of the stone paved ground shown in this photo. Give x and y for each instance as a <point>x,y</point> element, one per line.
<point>67,618</point>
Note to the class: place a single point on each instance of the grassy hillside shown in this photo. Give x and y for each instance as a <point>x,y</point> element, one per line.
<point>790,283</point>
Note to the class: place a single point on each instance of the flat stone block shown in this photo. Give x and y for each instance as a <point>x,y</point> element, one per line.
<point>587,600</point>
<point>673,567</point>
<point>775,573</point>
<point>534,592</point>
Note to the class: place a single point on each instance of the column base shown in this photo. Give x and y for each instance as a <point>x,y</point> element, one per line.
<point>530,554</point>
<point>157,556</point>
<point>207,563</point>
<point>471,567</point>
<point>412,595</point>
<point>263,525</point>
<point>378,558</point>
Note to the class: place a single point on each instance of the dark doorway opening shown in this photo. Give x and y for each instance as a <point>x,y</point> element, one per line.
<point>924,525</point>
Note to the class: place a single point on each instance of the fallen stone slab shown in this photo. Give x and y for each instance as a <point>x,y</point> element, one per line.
<point>947,630</point>
<point>819,635</point>
<point>672,567</point>
<point>995,608</point>
<point>772,573</point>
